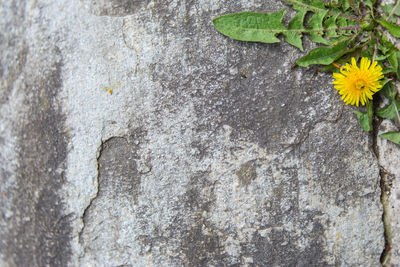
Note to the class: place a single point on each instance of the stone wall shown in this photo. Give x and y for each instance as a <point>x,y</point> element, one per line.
<point>132,133</point>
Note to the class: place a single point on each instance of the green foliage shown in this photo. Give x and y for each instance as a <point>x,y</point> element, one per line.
<point>364,121</point>
<point>391,11</point>
<point>389,8</point>
<point>294,37</point>
<point>394,57</point>
<point>250,26</point>
<point>392,136</point>
<point>393,28</point>
<point>323,55</point>
<point>318,29</point>
<point>389,91</point>
<point>343,29</point>
<point>390,111</point>
<point>323,26</point>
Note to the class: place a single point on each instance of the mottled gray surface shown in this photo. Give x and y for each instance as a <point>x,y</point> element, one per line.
<point>389,159</point>
<point>133,134</point>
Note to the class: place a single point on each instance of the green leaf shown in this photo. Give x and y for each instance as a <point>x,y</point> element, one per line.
<point>392,136</point>
<point>392,19</point>
<point>318,6</point>
<point>345,5</point>
<point>369,48</point>
<point>292,37</point>
<point>381,57</point>
<point>383,47</point>
<point>264,27</point>
<point>369,4</point>
<point>316,23</point>
<point>250,26</point>
<point>342,22</point>
<point>354,5</point>
<point>317,3</point>
<point>331,23</point>
<point>394,61</point>
<point>393,28</point>
<point>388,9</point>
<point>388,90</point>
<point>386,42</point>
<point>388,70</point>
<point>389,112</point>
<point>344,58</point>
<point>324,55</point>
<point>364,121</point>
<point>314,5</point>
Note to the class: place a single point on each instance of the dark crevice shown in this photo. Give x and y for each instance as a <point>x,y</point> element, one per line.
<point>385,191</point>
<point>376,122</point>
<point>85,214</point>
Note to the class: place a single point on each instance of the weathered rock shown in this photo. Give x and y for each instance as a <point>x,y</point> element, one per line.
<point>132,133</point>
<point>389,159</point>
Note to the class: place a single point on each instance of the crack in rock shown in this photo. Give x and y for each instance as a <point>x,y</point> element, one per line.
<point>118,179</point>
<point>85,212</point>
<point>385,186</point>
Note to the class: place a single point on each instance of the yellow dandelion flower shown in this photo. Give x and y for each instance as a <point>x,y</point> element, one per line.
<point>358,84</point>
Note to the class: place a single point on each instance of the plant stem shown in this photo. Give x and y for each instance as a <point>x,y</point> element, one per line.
<point>393,10</point>
<point>370,112</point>
<point>349,17</point>
<point>375,50</point>
<point>363,9</point>
<point>345,28</point>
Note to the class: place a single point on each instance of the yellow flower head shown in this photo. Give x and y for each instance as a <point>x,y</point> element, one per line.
<point>358,84</point>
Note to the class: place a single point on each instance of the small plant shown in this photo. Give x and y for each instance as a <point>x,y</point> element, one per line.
<point>347,31</point>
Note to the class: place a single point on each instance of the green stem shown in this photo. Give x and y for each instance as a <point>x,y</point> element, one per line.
<point>370,112</point>
<point>375,50</point>
<point>393,10</point>
<point>345,28</point>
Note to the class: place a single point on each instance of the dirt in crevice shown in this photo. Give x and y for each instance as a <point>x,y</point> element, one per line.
<point>385,185</point>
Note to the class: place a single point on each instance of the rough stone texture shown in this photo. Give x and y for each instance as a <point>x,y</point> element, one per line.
<point>389,159</point>
<point>34,228</point>
<point>133,134</point>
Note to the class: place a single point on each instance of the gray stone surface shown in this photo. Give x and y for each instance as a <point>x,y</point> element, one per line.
<point>133,134</point>
<point>389,160</point>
